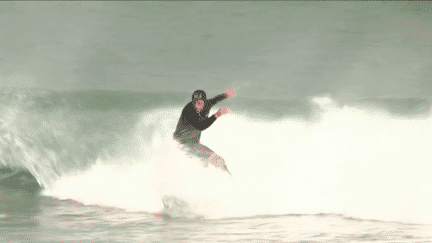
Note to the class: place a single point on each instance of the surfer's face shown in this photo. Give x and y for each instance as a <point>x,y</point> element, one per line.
<point>199,105</point>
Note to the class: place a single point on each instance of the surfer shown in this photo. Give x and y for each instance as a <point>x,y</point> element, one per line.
<point>194,119</point>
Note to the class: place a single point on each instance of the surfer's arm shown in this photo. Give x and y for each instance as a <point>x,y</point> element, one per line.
<point>227,94</point>
<point>194,119</point>
<point>213,101</point>
<point>202,125</point>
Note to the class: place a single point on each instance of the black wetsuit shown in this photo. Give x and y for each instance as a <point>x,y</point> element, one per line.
<point>191,123</point>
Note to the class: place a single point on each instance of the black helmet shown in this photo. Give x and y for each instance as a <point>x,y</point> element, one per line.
<point>198,95</point>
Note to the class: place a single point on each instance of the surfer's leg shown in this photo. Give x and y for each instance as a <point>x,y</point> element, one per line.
<point>202,152</point>
<point>217,161</point>
<point>208,156</point>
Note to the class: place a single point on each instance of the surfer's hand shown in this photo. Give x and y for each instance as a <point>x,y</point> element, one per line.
<point>229,92</point>
<point>222,111</point>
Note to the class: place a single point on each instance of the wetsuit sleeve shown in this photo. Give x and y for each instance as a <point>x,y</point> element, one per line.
<point>213,101</point>
<point>194,119</point>
<point>204,124</point>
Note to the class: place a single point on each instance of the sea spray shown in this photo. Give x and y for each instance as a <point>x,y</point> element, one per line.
<point>357,162</point>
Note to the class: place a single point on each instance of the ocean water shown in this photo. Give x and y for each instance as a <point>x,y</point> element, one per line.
<point>328,171</point>
<point>328,138</point>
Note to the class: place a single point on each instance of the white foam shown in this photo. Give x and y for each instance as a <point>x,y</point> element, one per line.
<point>361,163</point>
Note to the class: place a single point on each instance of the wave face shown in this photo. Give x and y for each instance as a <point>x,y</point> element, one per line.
<point>117,150</point>
<point>54,133</point>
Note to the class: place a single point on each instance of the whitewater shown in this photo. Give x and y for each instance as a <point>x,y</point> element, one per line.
<point>356,162</point>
